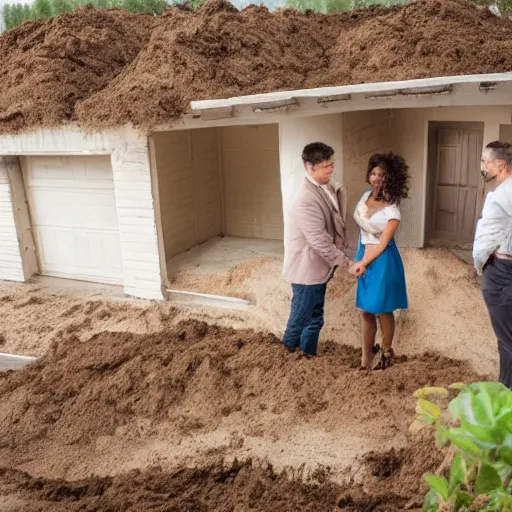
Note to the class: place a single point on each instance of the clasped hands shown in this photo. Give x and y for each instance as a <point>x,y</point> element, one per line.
<point>357,269</point>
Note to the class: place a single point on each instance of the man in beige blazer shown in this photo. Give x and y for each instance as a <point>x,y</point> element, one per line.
<point>313,247</point>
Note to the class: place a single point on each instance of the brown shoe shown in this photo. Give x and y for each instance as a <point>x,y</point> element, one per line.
<point>383,359</point>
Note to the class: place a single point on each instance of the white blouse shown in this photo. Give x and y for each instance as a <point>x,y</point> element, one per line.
<point>372,226</point>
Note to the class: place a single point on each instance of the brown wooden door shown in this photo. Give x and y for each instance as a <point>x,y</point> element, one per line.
<point>457,187</point>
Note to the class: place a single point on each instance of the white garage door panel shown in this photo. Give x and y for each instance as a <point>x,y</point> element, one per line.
<point>88,208</point>
<point>74,214</point>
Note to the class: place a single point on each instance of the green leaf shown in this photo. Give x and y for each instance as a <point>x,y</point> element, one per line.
<point>457,472</point>
<point>462,499</point>
<point>428,391</point>
<point>431,500</point>
<point>442,437</point>
<point>486,399</point>
<point>439,484</point>
<point>486,435</point>
<point>426,408</point>
<point>494,388</point>
<point>506,454</point>
<point>461,440</point>
<point>487,480</point>
<point>454,408</point>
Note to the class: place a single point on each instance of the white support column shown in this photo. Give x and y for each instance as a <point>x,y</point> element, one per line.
<point>18,259</point>
<point>294,134</point>
<point>137,226</point>
<point>491,131</point>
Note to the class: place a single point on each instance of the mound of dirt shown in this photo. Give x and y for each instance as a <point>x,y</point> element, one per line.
<point>240,487</point>
<point>47,66</point>
<point>196,394</point>
<point>219,52</point>
<point>423,39</point>
<point>113,75</point>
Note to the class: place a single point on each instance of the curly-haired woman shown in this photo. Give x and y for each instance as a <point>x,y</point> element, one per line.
<point>381,285</point>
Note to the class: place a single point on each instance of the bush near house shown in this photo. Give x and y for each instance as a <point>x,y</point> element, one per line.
<point>477,429</point>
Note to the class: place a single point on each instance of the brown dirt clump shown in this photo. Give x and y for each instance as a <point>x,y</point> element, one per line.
<point>46,67</point>
<point>240,487</point>
<point>423,39</point>
<point>108,68</point>
<point>219,52</point>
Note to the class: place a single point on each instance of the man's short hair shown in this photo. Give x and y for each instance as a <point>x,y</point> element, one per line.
<point>501,150</point>
<point>317,152</point>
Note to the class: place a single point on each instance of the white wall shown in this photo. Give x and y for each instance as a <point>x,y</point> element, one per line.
<point>15,237</point>
<point>364,133</point>
<point>189,188</point>
<point>252,191</point>
<point>405,131</point>
<point>294,134</point>
<point>506,133</point>
<point>411,136</point>
<point>129,153</point>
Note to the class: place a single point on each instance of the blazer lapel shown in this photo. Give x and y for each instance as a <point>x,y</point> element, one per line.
<point>338,224</point>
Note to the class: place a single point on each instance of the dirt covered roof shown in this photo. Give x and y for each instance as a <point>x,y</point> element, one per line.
<point>107,68</point>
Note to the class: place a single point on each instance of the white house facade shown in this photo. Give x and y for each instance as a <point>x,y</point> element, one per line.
<point>114,207</point>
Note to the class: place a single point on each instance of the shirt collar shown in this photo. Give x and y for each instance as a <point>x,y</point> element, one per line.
<point>311,180</point>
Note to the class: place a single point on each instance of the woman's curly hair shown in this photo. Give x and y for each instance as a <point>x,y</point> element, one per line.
<point>396,176</point>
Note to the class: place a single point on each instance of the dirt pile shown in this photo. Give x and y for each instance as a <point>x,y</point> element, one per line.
<point>219,52</point>
<point>46,67</point>
<point>114,75</point>
<point>196,394</point>
<point>423,39</point>
<point>240,487</point>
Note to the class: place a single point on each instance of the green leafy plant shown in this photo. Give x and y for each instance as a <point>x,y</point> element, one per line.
<point>477,428</point>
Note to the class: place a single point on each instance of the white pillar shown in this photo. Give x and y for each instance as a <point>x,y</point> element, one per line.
<point>294,134</point>
<point>491,131</point>
<point>18,259</point>
<point>137,226</point>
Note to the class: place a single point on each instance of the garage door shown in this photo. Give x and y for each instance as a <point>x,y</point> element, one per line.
<point>74,217</point>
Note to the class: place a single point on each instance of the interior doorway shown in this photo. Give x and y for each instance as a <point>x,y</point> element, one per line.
<point>455,190</point>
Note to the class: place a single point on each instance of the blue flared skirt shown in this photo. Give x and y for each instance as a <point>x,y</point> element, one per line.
<point>382,289</point>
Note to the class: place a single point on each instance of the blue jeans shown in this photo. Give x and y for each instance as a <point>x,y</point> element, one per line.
<point>306,317</point>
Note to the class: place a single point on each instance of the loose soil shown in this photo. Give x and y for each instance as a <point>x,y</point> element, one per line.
<point>444,297</point>
<point>240,487</point>
<point>198,396</point>
<point>108,68</point>
<point>139,406</point>
<point>46,67</point>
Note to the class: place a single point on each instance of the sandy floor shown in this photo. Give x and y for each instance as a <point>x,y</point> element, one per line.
<point>446,312</point>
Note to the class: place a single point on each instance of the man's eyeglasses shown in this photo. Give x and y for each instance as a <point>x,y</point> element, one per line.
<point>329,165</point>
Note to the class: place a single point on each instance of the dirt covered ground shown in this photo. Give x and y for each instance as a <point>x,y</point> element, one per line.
<point>107,68</point>
<point>147,406</point>
<point>196,396</point>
